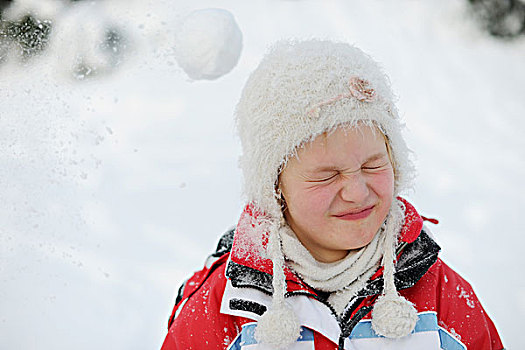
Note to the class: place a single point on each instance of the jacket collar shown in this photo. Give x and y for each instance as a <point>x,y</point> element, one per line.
<point>249,267</point>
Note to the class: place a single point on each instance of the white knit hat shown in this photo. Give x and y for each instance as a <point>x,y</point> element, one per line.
<point>300,90</point>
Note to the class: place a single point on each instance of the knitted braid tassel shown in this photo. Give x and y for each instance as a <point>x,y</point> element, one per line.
<point>393,316</point>
<point>278,327</point>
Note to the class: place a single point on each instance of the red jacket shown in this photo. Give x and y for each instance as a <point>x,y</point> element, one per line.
<point>218,307</point>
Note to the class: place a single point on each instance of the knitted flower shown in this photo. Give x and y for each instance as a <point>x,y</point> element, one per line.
<point>360,90</point>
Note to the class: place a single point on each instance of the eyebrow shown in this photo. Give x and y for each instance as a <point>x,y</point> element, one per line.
<point>373,157</point>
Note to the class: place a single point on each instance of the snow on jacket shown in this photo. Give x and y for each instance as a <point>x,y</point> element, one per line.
<point>218,307</point>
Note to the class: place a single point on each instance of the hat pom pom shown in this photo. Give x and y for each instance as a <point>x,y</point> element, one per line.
<point>278,327</point>
<point>393,316</point>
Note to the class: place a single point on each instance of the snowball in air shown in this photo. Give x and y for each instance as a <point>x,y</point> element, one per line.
<point>208,44</point>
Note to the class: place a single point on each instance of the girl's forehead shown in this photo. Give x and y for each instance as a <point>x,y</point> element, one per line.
<point>340,147</point>
<point>355,137</point>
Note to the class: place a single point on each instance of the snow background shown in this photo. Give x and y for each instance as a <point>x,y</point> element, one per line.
<point>114,189</point>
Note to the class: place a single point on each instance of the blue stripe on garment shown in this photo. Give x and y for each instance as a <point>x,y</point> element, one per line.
<point>248,336</point>
<point>236,345</point>
<point>448,342</point>
<point>427,322</point>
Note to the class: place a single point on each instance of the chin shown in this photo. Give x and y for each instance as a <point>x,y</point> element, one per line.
<point>360,240</point>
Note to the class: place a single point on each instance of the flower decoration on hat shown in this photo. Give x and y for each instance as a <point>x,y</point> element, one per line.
<point>359,88</point>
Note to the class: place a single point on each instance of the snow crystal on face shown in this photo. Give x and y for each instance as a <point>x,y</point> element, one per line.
<point>208,44</point>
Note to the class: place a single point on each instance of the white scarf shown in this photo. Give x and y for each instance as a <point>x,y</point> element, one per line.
<point>392,316</point>
<point>343,278</point>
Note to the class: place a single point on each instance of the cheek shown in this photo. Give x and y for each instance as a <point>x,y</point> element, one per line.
<point>383,184</point>
<point>312,201</point>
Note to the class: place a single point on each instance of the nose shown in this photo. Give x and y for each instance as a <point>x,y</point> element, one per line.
<point>354,188</point>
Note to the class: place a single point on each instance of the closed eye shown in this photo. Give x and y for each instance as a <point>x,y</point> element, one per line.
<point>372,167</point>
<point>375,167</point>
<point>325,179</point>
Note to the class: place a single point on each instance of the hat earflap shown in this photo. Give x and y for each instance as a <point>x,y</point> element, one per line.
<point>278,327</point>
<point>393,316</point>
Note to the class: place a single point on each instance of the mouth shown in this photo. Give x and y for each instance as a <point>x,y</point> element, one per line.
<point>356,214</point>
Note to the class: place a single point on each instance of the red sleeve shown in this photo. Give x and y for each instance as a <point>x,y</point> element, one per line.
<point>196,322</point>
<point>461,313</point>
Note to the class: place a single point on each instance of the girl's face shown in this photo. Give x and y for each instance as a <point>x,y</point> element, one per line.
<point>338,191</point>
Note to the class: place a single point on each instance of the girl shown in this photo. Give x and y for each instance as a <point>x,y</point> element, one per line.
<point>326,254</point>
